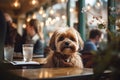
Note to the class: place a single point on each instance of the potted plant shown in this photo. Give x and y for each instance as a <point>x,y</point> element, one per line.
<point>108,58</point>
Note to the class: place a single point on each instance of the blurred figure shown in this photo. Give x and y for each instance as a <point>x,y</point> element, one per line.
<point>32,31</point>
<point>11,31</point>
<point>91,44</point>
<point>19,40</point>
<point>13,38</point>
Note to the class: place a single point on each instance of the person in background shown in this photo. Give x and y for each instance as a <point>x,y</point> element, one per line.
<point>34,37</point>
<point>19,40</point>
<point>10,32</point>
<point>91,44</point>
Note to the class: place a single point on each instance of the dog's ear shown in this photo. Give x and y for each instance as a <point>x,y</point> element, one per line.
<point>52,41</point>
<point>80,41</point>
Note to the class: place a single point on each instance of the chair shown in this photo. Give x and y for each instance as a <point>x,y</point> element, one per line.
<point>87,58</point>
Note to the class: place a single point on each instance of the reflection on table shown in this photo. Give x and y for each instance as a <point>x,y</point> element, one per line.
<point>59,74</point>
<point>53,73</point>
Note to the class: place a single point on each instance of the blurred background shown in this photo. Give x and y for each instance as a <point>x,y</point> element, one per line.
<point>57,13</point>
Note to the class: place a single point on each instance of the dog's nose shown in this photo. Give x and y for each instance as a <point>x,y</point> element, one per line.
<point>66,43</point>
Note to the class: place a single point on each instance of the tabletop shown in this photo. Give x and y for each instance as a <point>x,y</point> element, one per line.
<point>57,73</point>
<point>53,73</point>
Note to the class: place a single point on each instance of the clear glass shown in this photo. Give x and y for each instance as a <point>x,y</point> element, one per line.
<point>27,52</point>
<point>8,53</point>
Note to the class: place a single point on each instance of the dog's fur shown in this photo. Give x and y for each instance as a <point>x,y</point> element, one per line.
<point>63,49</point>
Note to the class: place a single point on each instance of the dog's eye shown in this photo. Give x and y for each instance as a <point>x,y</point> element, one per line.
<point>61,38</point>
<point>73,39</point>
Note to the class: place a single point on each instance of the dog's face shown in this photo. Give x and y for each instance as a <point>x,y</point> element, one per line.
<point>66,41</point>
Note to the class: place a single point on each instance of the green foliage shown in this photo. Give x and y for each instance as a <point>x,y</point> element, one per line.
<point>112,19</point>
<point>101,26</point>
<point>109,57</point>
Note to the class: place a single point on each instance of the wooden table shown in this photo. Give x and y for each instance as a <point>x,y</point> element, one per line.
<point>40,73</point>
<point>55,73</point>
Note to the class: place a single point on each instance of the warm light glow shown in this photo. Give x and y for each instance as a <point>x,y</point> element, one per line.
<point>98,4</point>
<point>57,18</point>
<point>41,11</point>
<point>24,26</point>
<point>45,74</point>
<point>16,4</point>
<point>63,17</point>
<point>51,11</point>
<point>28,19</point>
<point>34,2</point>
<point>71,9</point>
<point>63,1</point>
<point>34,16</point>
<point>88,7</point>
<point>42,24</point>
<point>44,15</point>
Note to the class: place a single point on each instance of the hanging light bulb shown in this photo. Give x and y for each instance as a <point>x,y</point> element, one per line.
<point>88,7</point>
<point>28,19</point>
<point>98,4</point>
<point>34,2</point>
<point>51,11</point>
<point>71,9</point>
<point>34,16</point>
<point>62,0</point>
<point>16,4</point>
<point>41,11</point>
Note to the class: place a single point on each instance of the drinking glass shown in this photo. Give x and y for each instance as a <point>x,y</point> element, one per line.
<point>8,53</point>
<point>27,52</point>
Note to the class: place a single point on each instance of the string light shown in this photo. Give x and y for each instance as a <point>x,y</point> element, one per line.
<point>95,19</point>
<point>34,2</point>
<point>34,16</point>
<point>88,7</point>
<point>98,4</point>
<point>51,11</point>
<point>16,4</point>
<point>41,11</point>
<point>44,15</point>
<point>63,1</point>
<point>71,9</point>
<point>28,19</point>
<point>24,26</point>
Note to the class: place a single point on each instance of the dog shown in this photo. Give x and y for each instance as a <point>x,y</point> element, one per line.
<point>63,49</point>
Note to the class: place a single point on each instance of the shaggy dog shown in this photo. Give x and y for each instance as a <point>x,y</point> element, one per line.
<point>63,49</point>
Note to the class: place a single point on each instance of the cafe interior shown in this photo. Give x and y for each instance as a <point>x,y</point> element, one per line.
<point>53,15</point>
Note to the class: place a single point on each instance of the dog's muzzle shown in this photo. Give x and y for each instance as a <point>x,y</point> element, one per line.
<point>66,45</point>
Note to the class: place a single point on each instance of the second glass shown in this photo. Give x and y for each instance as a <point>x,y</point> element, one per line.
<point>27,52</point>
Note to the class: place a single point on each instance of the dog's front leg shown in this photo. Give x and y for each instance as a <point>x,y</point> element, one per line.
<point>56,59</point>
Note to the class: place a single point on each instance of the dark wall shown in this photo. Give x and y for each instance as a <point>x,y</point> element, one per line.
<point>2,34</point>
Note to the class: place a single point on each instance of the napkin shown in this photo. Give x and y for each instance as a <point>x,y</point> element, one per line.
<point>37,56</point>
<point>25,63</point>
